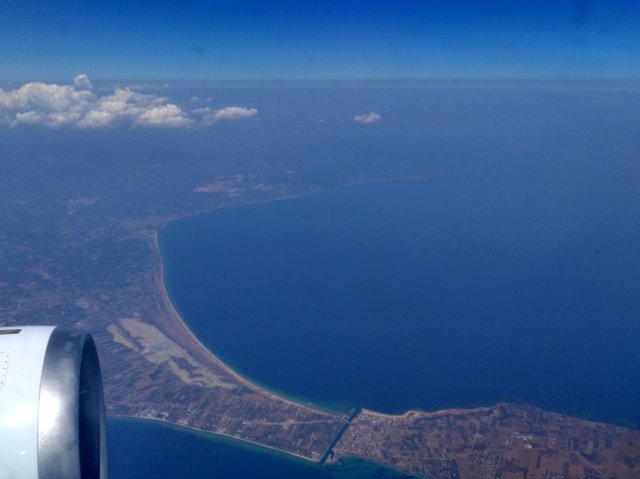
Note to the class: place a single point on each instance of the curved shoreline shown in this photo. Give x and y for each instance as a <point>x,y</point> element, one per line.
<point>177,319</point>
<point>305,401</point>
<point>202,392</point>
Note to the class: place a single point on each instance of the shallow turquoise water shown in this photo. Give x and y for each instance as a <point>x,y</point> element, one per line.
<point>146,449</point>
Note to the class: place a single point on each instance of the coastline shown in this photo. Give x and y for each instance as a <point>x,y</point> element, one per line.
<point>177,320</point>
<point>171,323</point>
<point>257,448</point>
<point>219,435</point>
<point>176,327</point>
<point>235,408</point>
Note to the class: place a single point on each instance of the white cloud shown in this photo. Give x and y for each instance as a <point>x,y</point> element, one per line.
<point>210,116</point>
<point>96,119</point>
<point>44,104</point>
<point>29,118</point>
<point>128,106</point>
<point>235,113</point>
<point>169,115</point>
<point>367,118</point>
<point>77,106</point>
<point>82,82</point>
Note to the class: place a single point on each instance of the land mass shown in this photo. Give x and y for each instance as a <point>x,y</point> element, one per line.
<point>79,248</point>
<point>507,441</point>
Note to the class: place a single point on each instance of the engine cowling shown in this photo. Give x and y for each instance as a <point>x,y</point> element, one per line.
<point>52,414</point>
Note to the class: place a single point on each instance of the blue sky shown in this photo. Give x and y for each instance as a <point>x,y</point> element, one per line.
<point>241,39</point>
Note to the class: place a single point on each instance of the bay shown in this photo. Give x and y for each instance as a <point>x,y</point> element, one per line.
<point>513,282</point>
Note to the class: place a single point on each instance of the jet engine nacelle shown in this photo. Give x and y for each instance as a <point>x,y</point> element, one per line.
<point>52,416</point>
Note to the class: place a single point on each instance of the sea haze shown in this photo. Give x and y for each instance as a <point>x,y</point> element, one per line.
<point>512,275</point>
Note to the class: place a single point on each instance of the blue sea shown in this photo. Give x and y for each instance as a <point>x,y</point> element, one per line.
<point>512,275</point>
<point>480,286</point>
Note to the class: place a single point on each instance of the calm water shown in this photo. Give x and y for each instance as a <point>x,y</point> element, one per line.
<point>517,282</point>
<point>163,451</point>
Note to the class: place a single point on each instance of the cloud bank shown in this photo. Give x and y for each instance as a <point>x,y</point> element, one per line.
<point>367,118</point>
<point>77,106</point>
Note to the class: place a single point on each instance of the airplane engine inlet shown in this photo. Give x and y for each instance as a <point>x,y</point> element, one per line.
<point>52,416</point>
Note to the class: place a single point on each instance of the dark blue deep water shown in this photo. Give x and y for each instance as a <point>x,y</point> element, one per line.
<point>516,281</point>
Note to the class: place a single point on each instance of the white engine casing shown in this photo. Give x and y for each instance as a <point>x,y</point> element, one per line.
<point>52,419</point>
